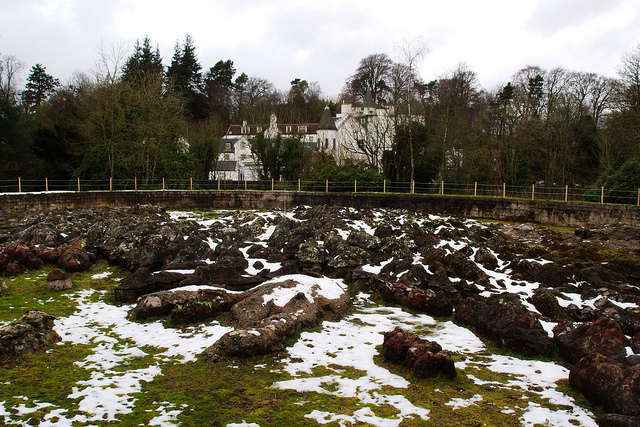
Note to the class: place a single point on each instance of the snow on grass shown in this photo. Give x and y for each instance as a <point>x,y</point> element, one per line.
<point>457,403</point>
<point>311,287</point>
<point>110,392</point>
<point>101,275</point>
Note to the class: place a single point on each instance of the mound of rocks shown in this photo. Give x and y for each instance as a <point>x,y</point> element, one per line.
<point>503,318</point>
<point>31,332</point>
<point>265,317</point>
<point>425,358</point>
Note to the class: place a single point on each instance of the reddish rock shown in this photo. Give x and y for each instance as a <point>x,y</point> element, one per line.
<point>603,336</point>
<point>425,358</point>
<point>58,280</point>
<point>608,383</point>
<point>503,318</point>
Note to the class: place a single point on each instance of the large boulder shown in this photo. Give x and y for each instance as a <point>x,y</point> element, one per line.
<point>605,382</point>
<point>143,282</point>
<point>31,332</point>
<point>75,256</point>
<point>604,336</point>
<point>425,358</point>
<point>228,273</point>
<point>58,280</point>
<point>270,314</point>
<point>503,318</point>
<point>183,305</point>
<point>422,300</point>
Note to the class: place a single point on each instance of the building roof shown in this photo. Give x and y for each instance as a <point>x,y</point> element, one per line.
<point>326,120</point>
<point>283,129</point>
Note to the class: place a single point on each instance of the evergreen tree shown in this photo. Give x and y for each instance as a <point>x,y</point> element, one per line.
<point>39,87</point>
<point>184,77</point>
<point>144,62</point>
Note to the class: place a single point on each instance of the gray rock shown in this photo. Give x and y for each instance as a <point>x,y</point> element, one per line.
<point>31,332</point>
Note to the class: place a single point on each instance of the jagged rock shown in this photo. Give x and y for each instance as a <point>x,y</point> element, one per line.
<point>608,383</point>
<point>75,257</point>
<point>618,420</point>
<point>547,274</point>
<point>604,336</point>
<point>547,304</point>
<point>58,280</point>
<point>488,260</point>
<point>3,287</point>
<point>425,301</point>
<point>184,306</point>
<point>275,311</point>
<point>31,332</point>
<point>425,358</point>
<point>503,318</point>
<point>227,273</point>
<point>142,282</point>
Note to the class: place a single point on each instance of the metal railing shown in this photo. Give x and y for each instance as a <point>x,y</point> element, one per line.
<point>532,192</point>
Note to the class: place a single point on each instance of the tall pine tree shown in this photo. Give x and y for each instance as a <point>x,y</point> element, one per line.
<point>39,87</point>
<point>185,78</point>
<point>144,63</point>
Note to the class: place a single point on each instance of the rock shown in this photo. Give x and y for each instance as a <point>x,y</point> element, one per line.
<point>271,313</point>
<point>74,257</point>
<point>504,319</point>
<point>608,383</point>
<point>618,420</point>
<point>547,304</point>
<point>425,358</point>
<point>425,301</point>
<point>487,260</point>
<point>31,332</point>
<point>226,273</point>
<point>184,306</point>
<point>58,280</point>
<point>604,336</point>
<point>3,287</point>
<point>142,282</point>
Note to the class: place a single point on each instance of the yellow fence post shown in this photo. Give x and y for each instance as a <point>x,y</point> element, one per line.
<point>442,188</point>
<point>135,183</point>
<point>504,190</point>
<point>245,183</point>
<point>566,193</point>
<point>191,184</point>
<point>602,196</point>
<point>298,185</point>
<point>163,183</point>
<point>384,186</point>
<point>218,183</point>
<point>533,192</point>
<point>19,185</point>
<point>326,189</point>
<point>46,185</point>
<point>413,187</point>
<point>110,183</point>
<point>475,189</point>
<point>78,184</point>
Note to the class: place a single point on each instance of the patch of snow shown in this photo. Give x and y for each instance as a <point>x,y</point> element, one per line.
<point>309,286</point>
<point>457,403</point>
<point>101,275</point>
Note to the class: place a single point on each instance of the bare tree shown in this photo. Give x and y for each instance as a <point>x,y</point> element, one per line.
<point>9,69</point>
<point>411,55</point>
<point>111,60</point>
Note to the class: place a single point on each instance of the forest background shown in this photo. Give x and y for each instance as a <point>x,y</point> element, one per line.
<point>134,117</point>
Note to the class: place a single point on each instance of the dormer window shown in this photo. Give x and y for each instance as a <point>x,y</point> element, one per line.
<point>259,129</point>
<point>302,129</point>
<point>288,129</point>
<point>245,129</point>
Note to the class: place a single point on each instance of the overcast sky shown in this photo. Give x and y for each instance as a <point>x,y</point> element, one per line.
<point>323,41</point>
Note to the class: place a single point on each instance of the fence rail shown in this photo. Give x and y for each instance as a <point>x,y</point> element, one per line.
<point>533,192</point>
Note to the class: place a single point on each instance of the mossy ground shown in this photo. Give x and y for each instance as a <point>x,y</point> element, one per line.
<point>232,391</point>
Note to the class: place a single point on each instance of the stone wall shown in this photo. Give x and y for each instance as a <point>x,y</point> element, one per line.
<point>546,212</point>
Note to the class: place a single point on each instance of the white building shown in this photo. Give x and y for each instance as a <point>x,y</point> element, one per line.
<point>360,133</point>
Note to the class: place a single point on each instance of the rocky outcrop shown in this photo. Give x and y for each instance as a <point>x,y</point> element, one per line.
<point>604,336</point>
<point>31,332</point>
<point>425,358</point>
<point>503,318</point>
<point>184,306</point>
<point>58,280</point>
<point>606,382</point>
<point>275,311</point>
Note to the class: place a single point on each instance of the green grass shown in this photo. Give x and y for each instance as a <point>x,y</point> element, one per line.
<point>215,394</point>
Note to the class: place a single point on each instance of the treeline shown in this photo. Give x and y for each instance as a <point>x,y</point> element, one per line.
<point>136,117</point>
